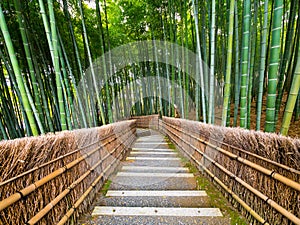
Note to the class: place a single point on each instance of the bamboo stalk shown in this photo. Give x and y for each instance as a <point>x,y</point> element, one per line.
<point>17,72</point>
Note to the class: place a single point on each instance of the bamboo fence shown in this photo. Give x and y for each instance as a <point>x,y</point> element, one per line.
<point>150,121</point>
<point>258,172</point>
<point>53,178</point>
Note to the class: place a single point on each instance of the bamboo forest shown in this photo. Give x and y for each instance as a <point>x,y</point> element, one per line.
<point>70,64</point>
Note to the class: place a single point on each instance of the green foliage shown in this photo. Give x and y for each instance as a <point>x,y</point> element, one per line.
<point>125,21</point>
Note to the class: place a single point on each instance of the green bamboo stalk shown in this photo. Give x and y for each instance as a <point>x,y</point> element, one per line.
<point>204,54</point>
<point>18,75</point>
<point>158,76</point>
<point>252,63</point>
<point>212,63</point>
<point>228,67</point>
<point>262,66</point>
<point>66,90</point>
<point>297,113</point>
<point>14,101</point>
<point>245,59</point>
<point>49,40</point>
<point>101,33</point>
<point>34,83</point>
<point>71,85</point>
<point>181,89</point>
<point>111,71</point>
<point>34,110</point>
<point>237,71</point>
<point>167,69</point>
<point>286,55</point>
<point>3,131</point>
<point>187,80</point>
<point>84,119</point>
<point>43,95</point>
<point>195,6</point>
<point>3,94</point>
<point>292,58</point>
<point>273,66</point>
<point>98,96</point>
<point>58,76</point>
<point>172,34</point>
<point>291,102</point>
<point>123,92</point>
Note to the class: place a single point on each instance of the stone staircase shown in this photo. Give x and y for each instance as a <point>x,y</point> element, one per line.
<point>153,187</point>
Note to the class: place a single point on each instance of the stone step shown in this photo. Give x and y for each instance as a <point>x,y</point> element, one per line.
<point>152,162</point>
<point>153,187</point>
<point>155,201</point>
<point>155,198</point>
<point>168,153</point>
<point>150,169</point>
<point>152,149</point>
<point>153,183</point>
<point>149,158</point>
<point>154,154</point>
<point>152,193</point>
<point>155,211</point>
<point>158,220</point>
<point>151,145</point>
<point>152,175</point>
<point>150,139</point>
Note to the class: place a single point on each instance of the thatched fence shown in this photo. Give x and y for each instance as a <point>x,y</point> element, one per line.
<point>150,121</point>
<point>258,172</point>
<point>51,179</point>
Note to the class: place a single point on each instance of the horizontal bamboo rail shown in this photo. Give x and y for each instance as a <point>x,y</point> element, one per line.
<point>31,188</point>
<point>52,161</point>
<point>56,200</point>
<point>272,174</point>
<point>226,188</point>
<point>85,194</point>
<point>249,153</point>
<point>115,144</point>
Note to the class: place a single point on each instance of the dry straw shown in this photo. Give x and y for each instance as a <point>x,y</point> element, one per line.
<point>260,169</point>
<point>72,152</point>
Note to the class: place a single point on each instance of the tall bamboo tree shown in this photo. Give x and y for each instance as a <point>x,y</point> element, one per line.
<point>58,76</point>
<point>273,66</point>
<point>291,102</point>
<point>286,55</point>
<point>263,53</point>
<point>97,92</point>
<point>18,74</point>
<point>237,67</point>
<point>226,102</point>
<point>245,61</point>
<point>102,43</point>
<point>212,63</point>
<point>198,52</point>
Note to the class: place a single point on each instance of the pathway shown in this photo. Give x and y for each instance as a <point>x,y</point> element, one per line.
<point>153,187</point>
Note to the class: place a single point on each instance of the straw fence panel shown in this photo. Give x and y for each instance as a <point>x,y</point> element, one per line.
<point>76,162</point>
<point>259,170</point>
<point>150,121</point>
